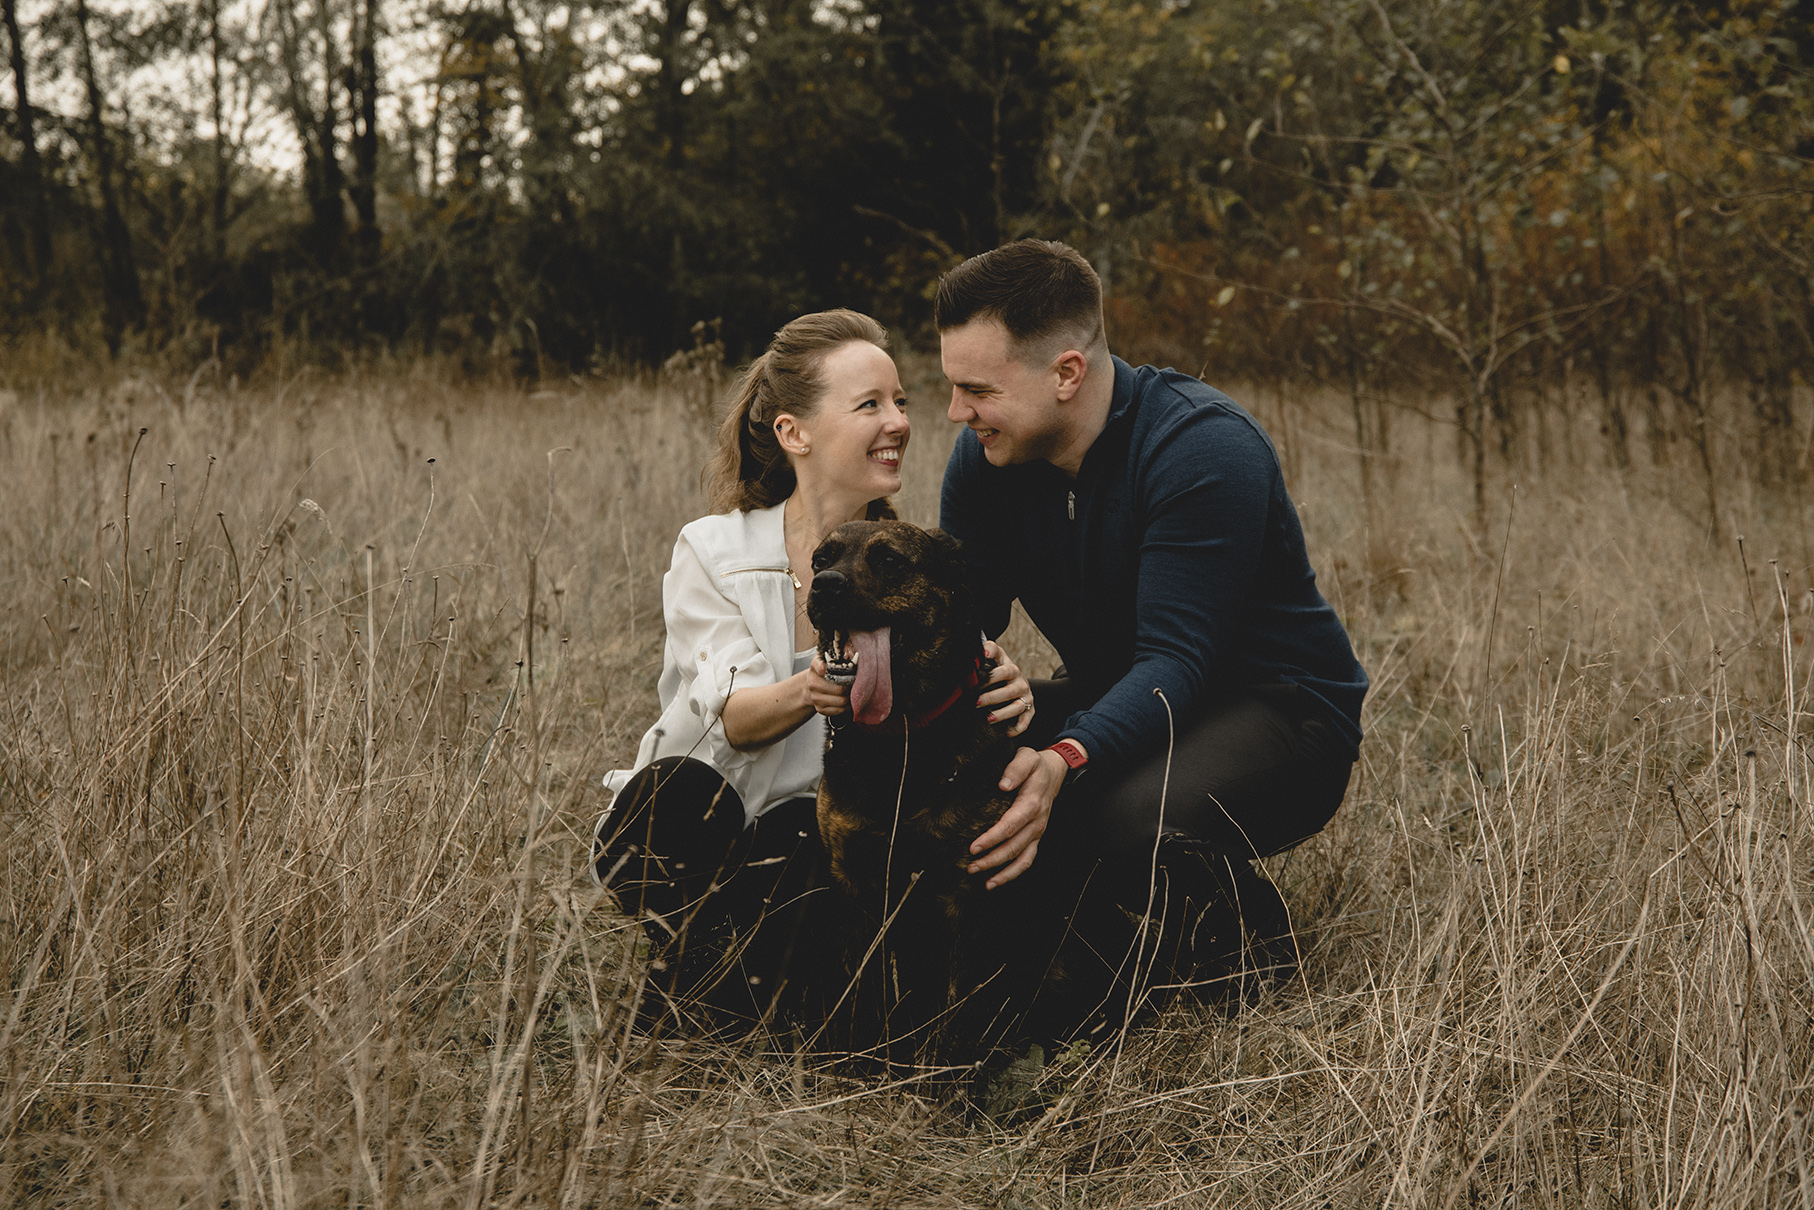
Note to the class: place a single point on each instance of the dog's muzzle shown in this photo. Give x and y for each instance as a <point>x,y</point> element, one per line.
<point>830,584</point>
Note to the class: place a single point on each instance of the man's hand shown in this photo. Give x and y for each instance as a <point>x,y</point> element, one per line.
<point>1014,840</point>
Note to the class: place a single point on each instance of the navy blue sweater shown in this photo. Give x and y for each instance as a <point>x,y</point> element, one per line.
<point>1174,561</point>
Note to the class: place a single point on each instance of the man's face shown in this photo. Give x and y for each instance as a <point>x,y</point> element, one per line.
<point>1012,408</point>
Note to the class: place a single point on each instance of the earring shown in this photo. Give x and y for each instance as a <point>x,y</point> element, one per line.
<point>805,450</point>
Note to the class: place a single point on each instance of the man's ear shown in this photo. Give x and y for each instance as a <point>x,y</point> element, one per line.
<point>1072,368</point>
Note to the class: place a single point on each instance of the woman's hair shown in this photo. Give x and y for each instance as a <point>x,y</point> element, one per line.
<point>750,469</point>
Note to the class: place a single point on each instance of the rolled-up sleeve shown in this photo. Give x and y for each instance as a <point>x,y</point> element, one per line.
<point>712,646</point>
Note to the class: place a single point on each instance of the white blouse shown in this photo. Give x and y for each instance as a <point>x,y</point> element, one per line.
<point>728,602</point>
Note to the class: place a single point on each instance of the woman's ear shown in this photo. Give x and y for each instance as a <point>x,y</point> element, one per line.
<point>792,437</point>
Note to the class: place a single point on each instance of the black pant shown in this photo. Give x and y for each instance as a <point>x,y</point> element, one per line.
<point>729,910</point>
<point>1247,776</point>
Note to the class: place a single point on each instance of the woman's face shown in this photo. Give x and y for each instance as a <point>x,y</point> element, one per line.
<point>857,436</point>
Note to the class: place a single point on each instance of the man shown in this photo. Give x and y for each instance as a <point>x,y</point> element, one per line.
<point>1208,709</point>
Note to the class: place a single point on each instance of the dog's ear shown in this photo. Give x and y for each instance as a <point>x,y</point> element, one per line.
<point>951,552</point>
<point>946,543</point>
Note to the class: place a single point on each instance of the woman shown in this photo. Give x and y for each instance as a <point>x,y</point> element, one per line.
<point>711,839</point>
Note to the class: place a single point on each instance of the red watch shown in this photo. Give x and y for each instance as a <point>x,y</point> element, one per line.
<point>1072,756</point>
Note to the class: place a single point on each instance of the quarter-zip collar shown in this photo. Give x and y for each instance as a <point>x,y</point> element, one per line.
<point>1122,410</point>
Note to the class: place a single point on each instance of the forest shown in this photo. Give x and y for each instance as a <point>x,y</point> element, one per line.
<point>1495,210</point>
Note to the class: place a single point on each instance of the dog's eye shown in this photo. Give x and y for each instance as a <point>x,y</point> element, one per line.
<point>885,559</point>
<point>825,556</point>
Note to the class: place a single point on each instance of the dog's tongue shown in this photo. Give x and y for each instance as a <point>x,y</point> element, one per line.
<point>872,695</point>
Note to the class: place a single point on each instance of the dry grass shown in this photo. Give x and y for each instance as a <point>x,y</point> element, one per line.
<point>294,797</point>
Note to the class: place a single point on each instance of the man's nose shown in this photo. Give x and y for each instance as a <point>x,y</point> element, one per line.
<point>959,412</point>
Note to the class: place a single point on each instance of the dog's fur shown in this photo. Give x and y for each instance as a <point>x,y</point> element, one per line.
<point>958,968</point>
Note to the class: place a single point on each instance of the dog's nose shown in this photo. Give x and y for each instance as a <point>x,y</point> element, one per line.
<point>829,583</point>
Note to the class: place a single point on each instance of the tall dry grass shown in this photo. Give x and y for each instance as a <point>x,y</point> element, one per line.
<point>300,751</point>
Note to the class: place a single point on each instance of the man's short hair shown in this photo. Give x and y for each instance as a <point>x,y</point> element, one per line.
<point>1043,292</point>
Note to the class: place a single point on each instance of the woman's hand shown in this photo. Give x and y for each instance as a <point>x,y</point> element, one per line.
<point>822,695</point>
<point>1009,696</point>
<point>762,715</point>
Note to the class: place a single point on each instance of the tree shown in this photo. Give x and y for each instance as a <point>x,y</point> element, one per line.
<point>37,213</point>
<point>309,82</point>
<point>124,302</point>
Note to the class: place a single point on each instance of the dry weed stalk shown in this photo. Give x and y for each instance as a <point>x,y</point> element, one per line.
<point>295,913</point>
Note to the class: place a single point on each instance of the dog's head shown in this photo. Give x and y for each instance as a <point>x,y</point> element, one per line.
<point>894,598</point>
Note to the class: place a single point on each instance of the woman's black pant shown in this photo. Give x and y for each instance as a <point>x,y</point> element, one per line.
<point>1248,776</point>
<point>729,910</point>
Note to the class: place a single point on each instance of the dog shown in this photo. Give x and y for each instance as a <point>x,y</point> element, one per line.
<point>912,777</point>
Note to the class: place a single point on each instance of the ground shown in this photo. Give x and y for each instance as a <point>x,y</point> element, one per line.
<point>308,689</point>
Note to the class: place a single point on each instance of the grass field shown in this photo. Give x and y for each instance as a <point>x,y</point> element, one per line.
<point>307,687</point>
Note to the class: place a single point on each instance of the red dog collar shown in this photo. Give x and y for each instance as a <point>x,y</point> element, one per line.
<point>919,721</point>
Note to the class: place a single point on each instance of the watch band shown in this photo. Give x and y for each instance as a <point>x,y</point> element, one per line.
<point>1070,753</point>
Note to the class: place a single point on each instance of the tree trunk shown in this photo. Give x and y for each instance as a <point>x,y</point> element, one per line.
<point>1472,415</point>
<point>1600,346</point>
<point>322,180</point>
<point>218,111</point>
<point>37,212</point>
<point>125,305</point>
<point>670,77</point>
<point>1357,398</point>
<point>1691,324</point>
<point>362,100</point>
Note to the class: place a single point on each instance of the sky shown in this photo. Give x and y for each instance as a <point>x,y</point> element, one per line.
<point>166,90</point>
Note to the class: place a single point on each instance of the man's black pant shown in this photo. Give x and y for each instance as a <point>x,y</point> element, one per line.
<point>1248,776</point>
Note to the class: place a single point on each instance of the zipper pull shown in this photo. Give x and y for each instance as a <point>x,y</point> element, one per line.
<point>1070,505</point>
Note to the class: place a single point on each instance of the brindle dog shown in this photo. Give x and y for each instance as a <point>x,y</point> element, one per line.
<point>912,777</point>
